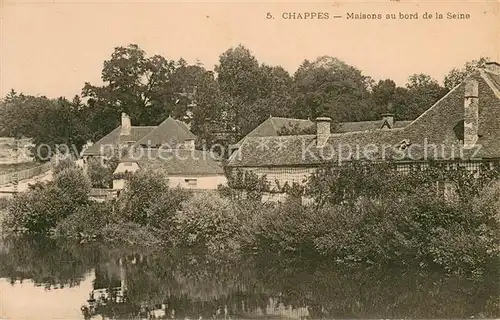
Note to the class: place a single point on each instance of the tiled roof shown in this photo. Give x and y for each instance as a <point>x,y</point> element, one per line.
<point>438,127</point>
<point>273,125</point>
<point>169,132</point>
<point>174,129</point>
<point>367,125</point>
<point>177,162</point>
<point>113,139</point>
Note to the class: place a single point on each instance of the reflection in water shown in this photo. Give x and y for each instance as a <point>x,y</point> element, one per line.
<point>142,285</point>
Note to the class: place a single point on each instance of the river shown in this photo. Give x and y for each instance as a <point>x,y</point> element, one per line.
<point>47,279</point>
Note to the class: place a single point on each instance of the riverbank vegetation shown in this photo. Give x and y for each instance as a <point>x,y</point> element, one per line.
<point>358,216</point>
<point>411,225</point>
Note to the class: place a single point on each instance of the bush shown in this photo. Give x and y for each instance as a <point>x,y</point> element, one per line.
<point>207,221</point>
<point>87,222</point>
<point>101,174</point>
<point>148,201</point>
<point>39,209</point>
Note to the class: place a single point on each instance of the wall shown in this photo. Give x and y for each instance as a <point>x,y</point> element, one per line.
<point>127,167</point>
<point>283,174</point>
<point>202,182</point>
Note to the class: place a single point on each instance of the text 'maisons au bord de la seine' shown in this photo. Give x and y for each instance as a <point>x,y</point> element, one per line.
<point>292,15</point>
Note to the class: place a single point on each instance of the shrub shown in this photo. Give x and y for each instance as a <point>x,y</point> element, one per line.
<point>207,221</point>
<point>39,209</point>
<point>100,175</point>
<point>147,198</point>
<point>87,222</point>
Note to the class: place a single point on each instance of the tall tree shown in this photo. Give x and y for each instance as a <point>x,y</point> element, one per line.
<point>250,92</point>
<point>138,85</point>
<point>47,122</point>
<point>456,76</point>
<point>422,92</point>
<point>328,86</point>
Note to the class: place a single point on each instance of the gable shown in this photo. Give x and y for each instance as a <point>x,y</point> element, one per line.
<point>443,122</point>
<point>168,132</point>
<point>113,139</point>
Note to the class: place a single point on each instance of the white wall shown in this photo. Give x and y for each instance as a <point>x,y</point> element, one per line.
<point>202,182</point>
<point>283,174</point>
<point>127,167</point>
<point>119,184</point>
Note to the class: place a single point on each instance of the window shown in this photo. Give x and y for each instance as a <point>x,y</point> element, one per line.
<point>192,182</point>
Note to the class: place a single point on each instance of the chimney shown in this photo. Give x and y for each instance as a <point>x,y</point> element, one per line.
<point>493,67</point>
<point>189,144</point>
<point>387,121</point>
<point>322,130</point>
<point>471,113</point>
<point>126,129</point>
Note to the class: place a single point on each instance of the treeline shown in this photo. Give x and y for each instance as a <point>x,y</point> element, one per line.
<point>231,101</point>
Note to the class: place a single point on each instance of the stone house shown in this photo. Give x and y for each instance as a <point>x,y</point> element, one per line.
<point>168,147</point>
<point>462,128</point>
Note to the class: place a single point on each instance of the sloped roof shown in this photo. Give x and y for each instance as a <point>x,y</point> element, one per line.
<point>273,125</point>
<point>169,132</point>
<point>367,125</point>
<point>113,139</point>
<point>177,161</point>
<point>435,128</point>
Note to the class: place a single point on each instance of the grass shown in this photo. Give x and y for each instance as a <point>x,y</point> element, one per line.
<point>11,167</point>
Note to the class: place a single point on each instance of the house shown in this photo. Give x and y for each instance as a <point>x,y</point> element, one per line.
<point>170,149</point>
<point>127,135</point>
<point>461,128</point>
<point>184,168</point>
<point>275,126</point>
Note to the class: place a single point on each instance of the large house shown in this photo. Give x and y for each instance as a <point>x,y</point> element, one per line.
<point>168,148</point>
<point>462,128</point>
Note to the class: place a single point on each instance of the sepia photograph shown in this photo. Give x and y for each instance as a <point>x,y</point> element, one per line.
<point>239,160</point>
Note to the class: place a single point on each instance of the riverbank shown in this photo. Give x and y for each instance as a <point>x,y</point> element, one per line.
<point>386,224</point>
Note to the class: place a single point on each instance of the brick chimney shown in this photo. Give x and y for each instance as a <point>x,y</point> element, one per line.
<point>126,129</point>
<point>471,113</point>
<point>322,130</point>
<point>493,67</point>
<point>387,121</point>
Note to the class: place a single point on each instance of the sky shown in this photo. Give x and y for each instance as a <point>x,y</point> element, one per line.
<point>52,48</point>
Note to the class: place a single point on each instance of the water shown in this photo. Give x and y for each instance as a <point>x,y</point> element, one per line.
<point>48,279</point>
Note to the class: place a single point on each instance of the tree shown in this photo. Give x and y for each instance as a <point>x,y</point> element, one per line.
<point>456,76</point>
<point>48,122</point>
<point>135,84</point>
<point>250,92</point>
<point>148,201</point>
<point>330,87</point>
<point>422,92</point>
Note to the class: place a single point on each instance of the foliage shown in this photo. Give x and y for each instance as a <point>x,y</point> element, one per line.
<point>330,87</point>
<point>422,92</point>
<point>39,209</point>
<point>63,164</point>
<point>101,174</point>
<point>245,183</point>
<point>456,76</point>
<point>207,221</point>
<point>87,223</point>
<point>295,129</point>
<point>147,200</point>
<point>52,124</point>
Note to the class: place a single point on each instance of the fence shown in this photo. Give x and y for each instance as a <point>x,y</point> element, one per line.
<point>24,174</point>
